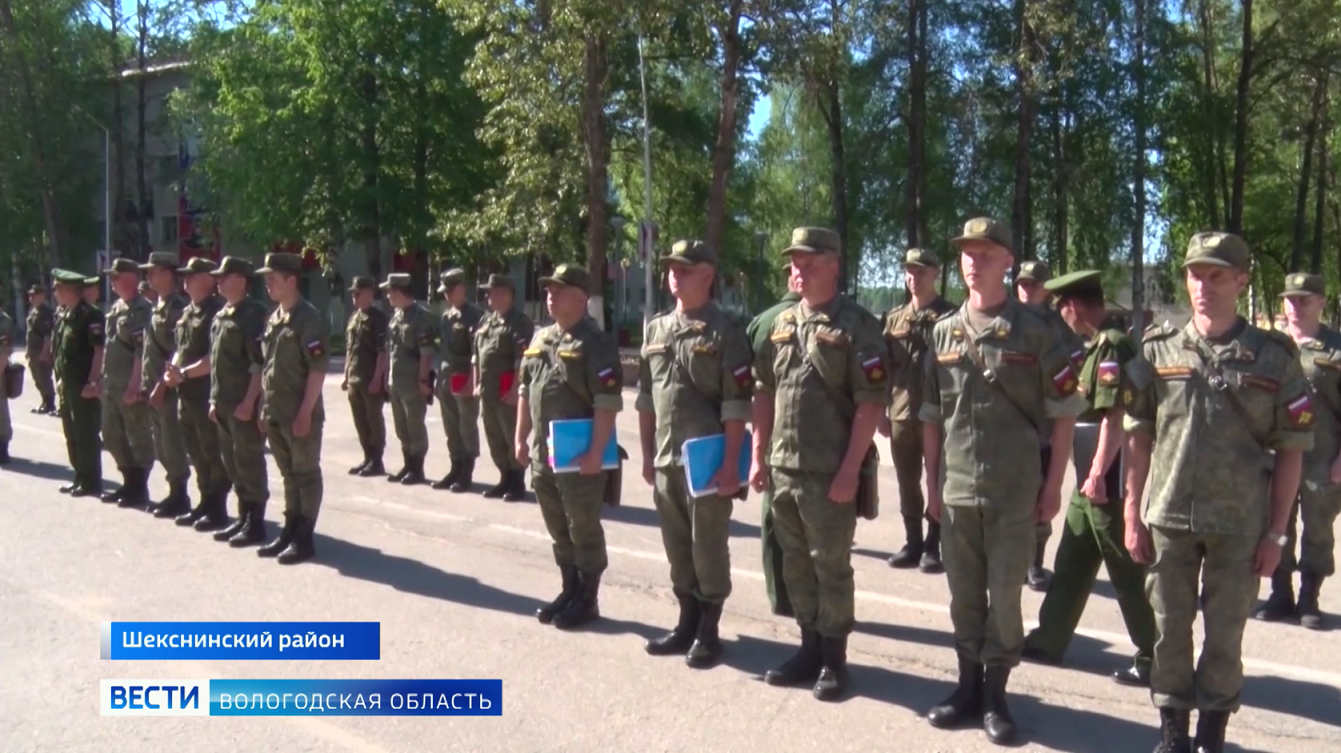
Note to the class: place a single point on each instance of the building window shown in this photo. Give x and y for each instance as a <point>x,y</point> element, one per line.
<point>168,229</point>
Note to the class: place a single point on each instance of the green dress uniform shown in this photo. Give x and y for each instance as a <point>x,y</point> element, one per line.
<point>460,408</point>
<point>907,330</point>
<point>413,336</point>
<point>79,333</point>
<point>570,375</point>
<point>41,320</point>
<point>159,348</point>
<point>1093,535</point>
<point>1209,499</point>
<point>202,439</point>
<point>6,347</point>
<point>365,342</point>
<point>694,375</point>
<point>499,341</point>
<point>127,429</point>
<point>774,582</point>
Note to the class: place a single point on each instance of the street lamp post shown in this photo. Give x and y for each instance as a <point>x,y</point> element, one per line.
<point>649,278</point>
<point>621,286</point>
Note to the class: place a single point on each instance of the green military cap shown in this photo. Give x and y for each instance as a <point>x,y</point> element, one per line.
<point>690,252</point>
<point>362,282</point>
<point>1300,283</point>
<point>281,262</point>
<point>233,265</point>
<point>1075,283</point>
<point>66,277</point>
<point>92,281</point>
<point>920,257</point>
<point>198,265</point>
<point>813,240</point>
<point>570,275</point>
<point>450,279</point>
<point>162,259</point>
<point>1218,249</point>
<point>1034,270</point>
<point>122,264</point>
<point>986,229</point>
<point>398,280</point>
<point>498,281</point>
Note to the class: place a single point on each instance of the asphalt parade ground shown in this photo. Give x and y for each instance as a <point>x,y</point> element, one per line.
<point>454,580</point>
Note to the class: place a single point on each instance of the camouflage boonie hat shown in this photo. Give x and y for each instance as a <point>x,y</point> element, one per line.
<point>920,257</point>
<point>198,265</point>
<point>569,275</point>
<point>121,264</point>
<point>397,281</point>
<point>450,279</point>
<point>66,277</point>
<point>1076,283</point>
<point>233,265</point>
<point>282,262</point>
<point>813,240</point>
<point>690,252</point>
<point>1218,249</point>
<point>362,282</point>
<point>162,259</point>
<point>1301,283</point>
<point>986,229</point>
<point>498,281</point>
<point>1034,270</point>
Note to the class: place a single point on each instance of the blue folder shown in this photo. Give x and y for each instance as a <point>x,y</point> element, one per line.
<point>703,458</point>
<point>570,439</point>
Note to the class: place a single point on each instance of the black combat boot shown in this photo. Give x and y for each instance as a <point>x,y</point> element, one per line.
<point>584,606</point>
<point>416,474</point>
<point>965,702</point>
<point>996,719</point>
<point>70,487</point>
<point>911,552</point>
<point>498,490</point>
<point>516,491</point>
<point>254,530</point>
<point>216,515</point>
<point>286,536</point>
<point>404,471</point>
<point>1173,726</point>
<point>302,548</point>
<point>118,494</point>
<point>547,613</point>
<point>833,677</point>
<point>681,637</point>
<point>374,467</point>
<point>452,475</point>
<point>88,486</point>
<point>465,482</point>
<point>931,553</point>
<point>804,666</point>
<point>707,648</point>
<point>1211,731</point>
<point>199,511</point>
<point>1038,577</point>
<point>1280,605</point>
<point>367,458</point>
<point>138,495</point>
<point>4,452</point>
<point>176,503</point>
<point>1135,676</point>
<point>237,526</point>
<point>1310,616</point>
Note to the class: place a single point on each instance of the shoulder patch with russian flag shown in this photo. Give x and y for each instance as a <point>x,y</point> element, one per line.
<point>1109,372</point>
<point>315,348</point>
<point>607,376</point>
<point>742,375</point>
<point>1065,380</point>
<point>1078,357</point>
<point>1301,411</point>
<point>874,369</point>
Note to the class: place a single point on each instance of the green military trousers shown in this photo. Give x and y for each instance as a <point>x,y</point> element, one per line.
<point>201,438</point>
<point>366,407</point>
<point>408,409</point>
<point>128,432</point>
<point>1317,508</point>
<point>6,428</point>
<point>42,379</point>
<point>696,533</point>
<point>170,440</point>
<point>571,506</point>
<point>299,462</point>
<point>500,426</point>
<point>461,422</point>
<point>81,418</point>
<point>1224,565</point>
<point>987,550</point>
<point>775,581</point>
<point>905,445</point>
<point>816,536</point>
<point>243,448</point>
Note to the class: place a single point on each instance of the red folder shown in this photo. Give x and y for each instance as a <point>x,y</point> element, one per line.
<point>459,383</point>
<point>505,381</point>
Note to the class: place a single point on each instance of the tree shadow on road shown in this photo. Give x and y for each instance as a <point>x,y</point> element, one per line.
<point>646,516</point>
<point>1297,698</point>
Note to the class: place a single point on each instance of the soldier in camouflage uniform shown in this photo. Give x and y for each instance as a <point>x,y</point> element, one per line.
<point>6,348</point>
<point>822,386</point>
<point>366,366</point>
<point>456,394</point>
<point>78,342</point>
<point>571,370</point>
<point>41,320</point>
<point>694,381</point>
<point>1320,488</point>
<point>907,329</point>
<point>501,337</point>
<point>412,343</point>
<point>159,347</point>
<point>297,348</point>
<point>1000,376</point>
<point>147,290</point>
<point>1208,403</point>
<point>1094,529</point>
<point>127,419</point>
<point>189,374</point>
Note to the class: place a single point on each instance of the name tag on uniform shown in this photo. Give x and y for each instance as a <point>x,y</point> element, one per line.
<point>836,339</point>
<point>1010,356</point>
<point>948,357</point>
<point>570,355</point>
<point>1173,372</point>
<point>900,333</point>
<point>532,352</point>
<point>1261,383</point>
<point>706,350</point>
<point>781,337</point>
<point>651,348</point>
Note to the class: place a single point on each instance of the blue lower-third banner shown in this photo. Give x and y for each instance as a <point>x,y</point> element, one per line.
<point>301,697</point>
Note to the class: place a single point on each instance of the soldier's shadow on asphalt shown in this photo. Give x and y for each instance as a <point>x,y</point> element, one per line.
<point>44,470</point>
<point>1298,698</point>
<point>646,516</point>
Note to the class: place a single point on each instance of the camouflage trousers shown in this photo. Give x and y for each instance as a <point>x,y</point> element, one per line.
<point>500,425</point>
<point>987,550</point>
<point>299,462</point>
<point>695,532</point>
<point>774,579</point>
<point>42,381</point>
<point>243,449</point>
<point>905,447</point>
<point>170,440</point>
<point>366,407</point>
<point>1317,509</point>
<point>816,536</point>
<point>1224,565</point>
<point>571,504</point>
<point>128,432</point>
<point>201,438</point>
<point>408,409</point>
<point>461,422</point>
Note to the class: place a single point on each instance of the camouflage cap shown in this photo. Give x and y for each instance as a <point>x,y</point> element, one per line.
<point>813,240</point>
<point>282,262</point>
<point>498,281</point>
<point>1300,283</point>
<point>121,265</point>
<point>1076,283</point>
<point>397,281</point>
<point>66,277</point>
<point>450,279</point>
<point>1218,249</point>
<point>198,265</point>
<point>690,252</point>
<point>1034,270</point>
<point>162,259</point>
<point>986,229</point>
<point>233,265</point>
<point>920,257</point>
<point>362,282</point>
<point>569,275</point>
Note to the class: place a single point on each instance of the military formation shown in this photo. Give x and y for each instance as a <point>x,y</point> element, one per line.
<point>1197,454</point>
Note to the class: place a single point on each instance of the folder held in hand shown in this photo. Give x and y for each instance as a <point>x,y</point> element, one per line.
<point>703,458</point>
<point>570,439</point>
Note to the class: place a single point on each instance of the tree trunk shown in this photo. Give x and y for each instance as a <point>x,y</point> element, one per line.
<point>831,107</point>
<point>596,140</point>
<point>372,225</point>
<point>1305,175</point>
<point>1320,205</point>
<point>1060,202</point>
<point>915,223</point>
<point>141,142</point>
<point>1235,224</point>
<point>117,128</point>
<point>1217,182</point>
<point>1021,214</point>
<point>1138,181</point>
<point>724,151</point>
